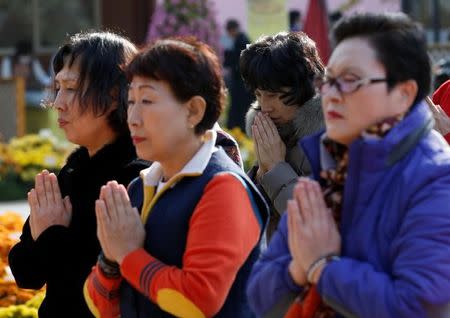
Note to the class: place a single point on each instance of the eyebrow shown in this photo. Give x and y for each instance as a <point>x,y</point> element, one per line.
<point>66,79</point>
<point>141,86</point>
<point>350,69</point>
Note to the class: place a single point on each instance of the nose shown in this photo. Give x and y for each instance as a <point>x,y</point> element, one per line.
<point>265,105</point>
<point>331,95</point>
<point>134,116</point>
<point>60,102</point>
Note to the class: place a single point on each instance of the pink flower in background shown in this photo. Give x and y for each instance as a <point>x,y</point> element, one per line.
<point>185,17</point>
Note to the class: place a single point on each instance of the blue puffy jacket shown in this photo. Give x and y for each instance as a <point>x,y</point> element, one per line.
<point>395,230</point>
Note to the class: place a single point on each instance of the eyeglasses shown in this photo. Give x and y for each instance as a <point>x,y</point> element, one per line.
<point>324,83</point>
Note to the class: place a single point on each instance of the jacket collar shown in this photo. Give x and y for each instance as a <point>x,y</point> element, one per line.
<point>376,154</point>
<point>152,175</point>
<point>120,150</point>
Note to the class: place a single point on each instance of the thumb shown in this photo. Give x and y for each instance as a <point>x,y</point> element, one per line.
<point>67,204</point>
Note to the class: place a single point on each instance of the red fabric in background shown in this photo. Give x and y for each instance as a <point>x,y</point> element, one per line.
<point>441,97</point>
<point>316,26</point>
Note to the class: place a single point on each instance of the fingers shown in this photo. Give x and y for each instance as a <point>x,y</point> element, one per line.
<point>48,188</point>
<point>125,199</point>
<point>33,201</point>
<point>109,201</point>
<point>55,186</point>
<point>40,189</point>
<point>315,199</point>
<point>262,128</point>
<point>269,126</point>
<point>116,199</point>
<point>292,210</point>
<point>302,198</point>
<point>102,219</point>
<point>290,225</point>
<point>100,212</point>
<point>67,204</point>
<point>34,205</point>
<point>257,139</point>
<point>309,196</point>
<point>122,203</point>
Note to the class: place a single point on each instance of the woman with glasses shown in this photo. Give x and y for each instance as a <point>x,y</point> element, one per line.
<point>280,70</point>
<point>369,235</point>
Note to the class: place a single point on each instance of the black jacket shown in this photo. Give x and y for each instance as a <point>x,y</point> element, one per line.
<point>62,257</point>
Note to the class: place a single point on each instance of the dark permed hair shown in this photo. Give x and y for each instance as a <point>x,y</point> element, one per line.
<point>399,43</point>
<point>285,60</point>
<point>102,84</point>
<point>190,67</point>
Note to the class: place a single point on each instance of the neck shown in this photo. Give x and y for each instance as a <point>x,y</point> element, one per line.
<point>176,161</point>
<point>104,138</point>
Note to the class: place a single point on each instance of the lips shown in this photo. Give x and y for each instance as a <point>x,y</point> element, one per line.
<point>334,115</point>
<point>137,139</point>
<point>62,123</point>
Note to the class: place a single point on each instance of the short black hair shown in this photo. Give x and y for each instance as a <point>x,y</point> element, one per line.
<point>232,24</point>
<point>102,57</point>
<point>190,67</point>
<point>285,60</point>
<point>399,43</point>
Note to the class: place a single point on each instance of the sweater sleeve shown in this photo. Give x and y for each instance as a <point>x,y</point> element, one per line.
<point>27,264</point>
<point>417,284</point>
<point>278,184</point>
<point>270,281</point>
<point>32,262</point>
<point>102,294</point>
<point>222,233</point>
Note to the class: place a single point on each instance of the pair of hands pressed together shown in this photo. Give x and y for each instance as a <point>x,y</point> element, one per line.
<point>269,147</point>
<point>47,207</point>
<point>119,227</point>
<point>312,230</point>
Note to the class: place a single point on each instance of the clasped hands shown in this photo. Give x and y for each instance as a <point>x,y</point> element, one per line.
<point>312,230</point>
<point>47,207</point>
<point>269,147</point>
<point>119,227</point>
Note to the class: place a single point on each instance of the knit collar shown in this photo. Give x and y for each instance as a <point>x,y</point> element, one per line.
<point>120,150</point>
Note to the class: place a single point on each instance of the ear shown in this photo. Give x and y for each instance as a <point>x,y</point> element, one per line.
<point>196,108</point>
<point>405,94</point>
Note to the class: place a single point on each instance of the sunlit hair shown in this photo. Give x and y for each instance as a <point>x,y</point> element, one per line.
<point>399,44</point>
<point>102,85</point>
<point>285,60</point>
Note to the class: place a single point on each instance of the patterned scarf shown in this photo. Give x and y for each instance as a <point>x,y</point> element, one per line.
<point>309,304</point>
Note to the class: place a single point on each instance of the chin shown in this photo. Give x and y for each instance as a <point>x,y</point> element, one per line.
<point>145,153</point>
<point>338,137</point>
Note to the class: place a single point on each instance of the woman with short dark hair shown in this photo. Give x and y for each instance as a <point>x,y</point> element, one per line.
<point>369,236</point>
<point>190,251</point>
<point>58,246</point>
<point>280,70</point>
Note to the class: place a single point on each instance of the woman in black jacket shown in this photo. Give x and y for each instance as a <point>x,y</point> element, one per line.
<point>59,245</point>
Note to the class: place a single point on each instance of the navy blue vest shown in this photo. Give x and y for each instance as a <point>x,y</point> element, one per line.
<point>167,229</point>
